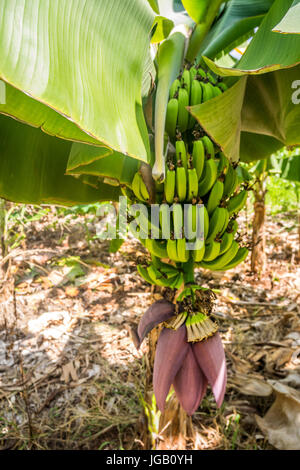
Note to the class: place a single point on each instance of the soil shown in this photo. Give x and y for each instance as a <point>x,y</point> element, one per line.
<point>70,375</point>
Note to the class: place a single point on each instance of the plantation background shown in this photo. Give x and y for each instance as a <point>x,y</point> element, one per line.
<point>70,376</point>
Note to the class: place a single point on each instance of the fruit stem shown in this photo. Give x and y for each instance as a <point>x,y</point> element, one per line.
<point>188,272</point>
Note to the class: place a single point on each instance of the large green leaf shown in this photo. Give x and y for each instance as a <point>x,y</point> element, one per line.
<point>234,25</point>
<point>85,60</point>
<point>33,166</point>
<point>290,169</point>
<point>196,9</point>
<point>290,23</point>
<point>221,118</point>
<point>268,50</point>
<point>114,167</point>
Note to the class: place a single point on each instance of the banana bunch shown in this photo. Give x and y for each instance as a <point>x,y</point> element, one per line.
<point>161,274</point>
<point>194,86</point>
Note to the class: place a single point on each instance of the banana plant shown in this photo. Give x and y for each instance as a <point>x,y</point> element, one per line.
<point>150,100</point>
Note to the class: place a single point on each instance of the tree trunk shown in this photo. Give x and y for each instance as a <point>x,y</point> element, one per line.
<point>258,255</point>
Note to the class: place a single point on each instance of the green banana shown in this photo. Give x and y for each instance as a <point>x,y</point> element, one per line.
<point>230,182</point>
<point>216,223</point>
<point>172,250</point>
<point>182,253</point>
<point>212,250</point>
<point>164,220</point>
<point>222,260</point>
<point>183,114</point>
<point>207,91</point>
<point>206,222</point>
<point>223,87</point>
<point>170,184</point>
<point>196,98</point>
<point>181,183</point>
<point>226,220</point>
<point>190,226</point>
<point>208,178</point>
<point>177,214</point>
<point>157,248</point>
<point>232,227</point>
<point>193,72</point>
<point>239,258</point>
<point>208,146</point>
<point>198,156</point>
<point>136,186</point>
<point>236,202</point>
<point>223,164</point>
<point>211,78</point>
<point>144,274</point>
<point>171,117</point>
<point>226,241</point>
<point>186,80</point>
<point>201,74</point>
<point>192,183</point>
<point>215,196</point>
<point>181,153</point>
<point>174,88</point>
<point>167,269</point>
<point>217,91</point>
<point>199,251</point>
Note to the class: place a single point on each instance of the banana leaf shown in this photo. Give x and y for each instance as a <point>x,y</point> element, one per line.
<point>84,60</point>
<point>290,22</point>
<point>33,169</point>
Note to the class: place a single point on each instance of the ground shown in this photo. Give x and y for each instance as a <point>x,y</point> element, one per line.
<point>70,376</point>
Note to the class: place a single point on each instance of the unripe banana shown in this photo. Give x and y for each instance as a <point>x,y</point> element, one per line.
<point>227,239</point>
<point>170,184</point>
<point>217,91</point>
<point>206,222</point>
<point>216,223</point>
<point>211,78</point>
<point>208,146</point>
<point>157,248</point>
<point>198,157</point>
<point>237,202</point>
<point>199,251</point>
<point>181,153</point>
<point>226,220</point>
<point>230,182</point>
<point>186,81</point>
<point>221,261</point>
<point>183,114</point>
<point>136,186</point>
<point>201,74</point>
<point>207,91</point>
<point>144,274</point>
<point>172,250</point>
<point>164,220</point>
<point>223,87</point>
<point>174,88</point>
<point>223,164</point>
<point>192,184</point>
<point>171,117</point>
<point>212,250</point>
<point>177,214</point>
<point>196,98</point>
<point>215,196</point>
<point>182,253</point>
<point>208,178</point>
<point>239,258</point>
<point>181,183</point>
<point>193,72</point>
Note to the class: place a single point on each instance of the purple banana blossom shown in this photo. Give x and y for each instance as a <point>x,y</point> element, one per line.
<point>189,367</point>
<point>160,311</point>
